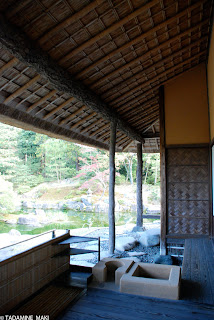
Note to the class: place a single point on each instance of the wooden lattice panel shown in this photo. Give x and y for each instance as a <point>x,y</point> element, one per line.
<point>187,173</point>
<point>193,209</point>
<point>187,191</point>
<point>187,156</point>
<point>183,226</point>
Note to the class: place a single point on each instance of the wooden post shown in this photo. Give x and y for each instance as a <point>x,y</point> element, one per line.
<point>111,215</point>
<point>162,174</point>
<point>139,186</point>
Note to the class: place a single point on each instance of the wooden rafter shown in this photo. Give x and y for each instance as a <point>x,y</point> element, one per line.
<point>61,106</point>
<point>85,119</point>
<point>125,139</point>
<point>141,37</point>
<point>89,127</point>
<point>107,31</point>
<point>67,22</point>
<point>153,113</point>
<point>92,134</point>
<point>127,145</point>
<point>152,80</point>
<point>141,109</point>
<point>106,133</point>
<point>20,90</point>
<point>143,117</point>
<point>8,65</point>
<point>72,115</point>
<point>145,125</point>
<point>26,50</point>
<point>153,66</point>
<point>40,101</point>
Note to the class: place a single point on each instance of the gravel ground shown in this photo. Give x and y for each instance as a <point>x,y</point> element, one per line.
<point>122,231</point>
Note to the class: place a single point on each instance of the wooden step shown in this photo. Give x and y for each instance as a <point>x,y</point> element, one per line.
<point>74,251</point>
<point>75,279</point>
<point>50,301</point>
<point>76,239</point>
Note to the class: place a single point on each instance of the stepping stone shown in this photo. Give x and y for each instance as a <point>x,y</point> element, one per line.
<point>125,243</point>
<point>136,253</point>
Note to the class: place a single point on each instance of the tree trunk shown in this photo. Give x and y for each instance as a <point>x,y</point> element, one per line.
<point>139,186</point>
<point>111,215</point>
<point>156,169</point>
<point>130,171</point>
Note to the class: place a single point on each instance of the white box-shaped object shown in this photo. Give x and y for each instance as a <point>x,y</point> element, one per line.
<point>152,280</point>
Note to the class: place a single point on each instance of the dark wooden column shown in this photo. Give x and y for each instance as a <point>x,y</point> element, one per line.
<point>162,173</point>
<point>111,215</point>
<point>139,186</point>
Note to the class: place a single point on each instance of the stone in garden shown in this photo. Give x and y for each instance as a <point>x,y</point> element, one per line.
<point>29,220</point>
<point>125,243</point>
<point>14,232</point>
<point>163,260</point>
<point>138,229</point>
<point>75,205</point>
<point>136,253</point>
<point>85,201</point>
<point>150,237</point>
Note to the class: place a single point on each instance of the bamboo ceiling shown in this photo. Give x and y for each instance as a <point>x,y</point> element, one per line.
<point>121,50</point>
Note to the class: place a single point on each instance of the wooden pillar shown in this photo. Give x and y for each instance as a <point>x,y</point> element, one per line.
<point>162,174</point>
<point>111,215</point>
<point>139,186</point>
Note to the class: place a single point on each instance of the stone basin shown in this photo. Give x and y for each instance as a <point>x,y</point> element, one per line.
<point>152,280</point>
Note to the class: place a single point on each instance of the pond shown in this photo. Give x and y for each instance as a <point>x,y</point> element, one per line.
<point>69,220</point>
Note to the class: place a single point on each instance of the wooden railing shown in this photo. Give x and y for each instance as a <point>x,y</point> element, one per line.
<point>24,269</point>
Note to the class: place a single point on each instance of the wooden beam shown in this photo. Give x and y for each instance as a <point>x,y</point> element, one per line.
<point>40,101</point>
<point>152,124</point>
<point>72,115</point>
<point>107,31</point>
<point>27,51</point>
<point>139,186</point>
<point>61,106</point>
<point>20,90</point>
<point>12,116</point>
<point>8,65</point>
<point>67,22</point>
<point>140,38</point>
<point>163,174</point>
<point>111,214</point>
<point>78,123</point>
<point>152,67</point>
<point>150,81</point>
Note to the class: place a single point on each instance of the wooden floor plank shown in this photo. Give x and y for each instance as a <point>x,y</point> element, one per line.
<point>50,301</point>
<point>103,304</point>
<point>198,271</point>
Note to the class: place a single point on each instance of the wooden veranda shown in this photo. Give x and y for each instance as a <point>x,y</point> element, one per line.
<point>121,75</point>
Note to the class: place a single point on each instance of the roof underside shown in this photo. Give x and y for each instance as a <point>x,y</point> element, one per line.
<point>121,51</point>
